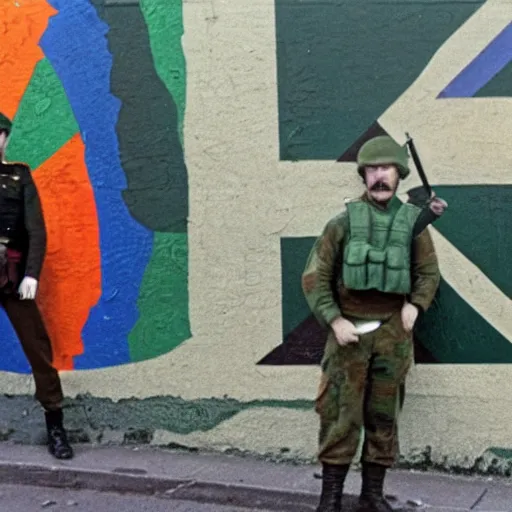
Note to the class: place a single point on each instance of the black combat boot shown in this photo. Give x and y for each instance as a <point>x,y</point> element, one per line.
<point>372,497</point>
<point>58,444</point>
<point>333,478</point>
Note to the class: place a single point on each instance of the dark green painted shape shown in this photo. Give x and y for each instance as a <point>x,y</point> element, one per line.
<point>294,254</point>
<point>164,19</point>
<point>152,158</point>
<point>149,143</point>
<point>499,86</point>
<point>163,300</point>
<point>44,120</point>
<point>342,63</point>
<point>479,223</point>
<point>87,416</point>
<point>455,333</point>
<point>503,453</point>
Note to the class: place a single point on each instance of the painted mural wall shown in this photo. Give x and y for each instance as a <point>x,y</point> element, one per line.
<point>96,90</point>
<point>188,153</point>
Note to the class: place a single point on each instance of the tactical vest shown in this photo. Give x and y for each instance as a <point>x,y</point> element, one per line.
<point>377,254</point>
<point>11,203</point>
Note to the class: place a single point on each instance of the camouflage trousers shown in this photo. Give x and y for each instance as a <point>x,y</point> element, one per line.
<point>360,387</point>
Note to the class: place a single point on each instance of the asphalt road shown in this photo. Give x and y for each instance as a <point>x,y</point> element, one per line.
<point>23,498</point>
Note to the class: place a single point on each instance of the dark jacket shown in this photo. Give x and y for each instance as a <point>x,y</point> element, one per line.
<point>21,217</point>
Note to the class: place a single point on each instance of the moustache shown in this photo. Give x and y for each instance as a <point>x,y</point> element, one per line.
<point>380,185</point>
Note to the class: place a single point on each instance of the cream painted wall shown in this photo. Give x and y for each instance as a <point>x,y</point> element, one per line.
<point>243,199</point>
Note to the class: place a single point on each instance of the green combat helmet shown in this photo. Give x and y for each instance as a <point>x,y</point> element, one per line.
<point>5,123</point>
<point>383,150</point>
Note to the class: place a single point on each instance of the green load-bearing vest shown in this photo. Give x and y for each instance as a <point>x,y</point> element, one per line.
<point>377,254</point>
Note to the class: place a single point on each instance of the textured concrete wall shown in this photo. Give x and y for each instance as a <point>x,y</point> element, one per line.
<point>202,186</point>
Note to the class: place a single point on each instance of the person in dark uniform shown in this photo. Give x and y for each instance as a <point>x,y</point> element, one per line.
<point>22,251</point>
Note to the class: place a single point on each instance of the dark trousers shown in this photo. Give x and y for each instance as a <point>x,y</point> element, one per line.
<point>26,319</point>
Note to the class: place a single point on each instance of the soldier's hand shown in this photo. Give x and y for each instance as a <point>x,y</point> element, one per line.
<point>345,331</point>
<point>409,316</point>
<point>438,205</point>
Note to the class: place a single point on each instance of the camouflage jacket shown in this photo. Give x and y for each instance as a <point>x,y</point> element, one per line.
<point>328,298</point>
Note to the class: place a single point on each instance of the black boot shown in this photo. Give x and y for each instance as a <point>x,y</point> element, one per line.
<point>58,444</point>
<point>372,497</point>
<point>333,478</point>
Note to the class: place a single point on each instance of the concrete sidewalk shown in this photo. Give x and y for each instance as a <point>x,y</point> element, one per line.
<point>240,481</point>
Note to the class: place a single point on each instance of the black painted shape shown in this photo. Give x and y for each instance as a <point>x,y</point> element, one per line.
<point>350,154</point>
<point>150,148</point>
<point>305,346</point>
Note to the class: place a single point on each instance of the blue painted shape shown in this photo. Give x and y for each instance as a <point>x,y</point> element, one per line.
<point>483,68</point>
<point>13,359</point>
<point>76,46</point>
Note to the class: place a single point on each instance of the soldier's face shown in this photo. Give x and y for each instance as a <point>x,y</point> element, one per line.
<point>381,181</point>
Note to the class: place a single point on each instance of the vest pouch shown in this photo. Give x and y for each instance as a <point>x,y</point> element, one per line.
<point>355,267</point>
<point>398,277</point>
<point>376,262</point>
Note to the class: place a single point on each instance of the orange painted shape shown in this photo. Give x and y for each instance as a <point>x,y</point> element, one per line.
<point>70,282</point>
<point>22,23</point>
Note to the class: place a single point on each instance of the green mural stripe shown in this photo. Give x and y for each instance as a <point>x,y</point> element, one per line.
<point>44,121</point>
<point>150,148</point>
<point>178,415</point>
<point>138,418</point>
<point>335,79</point>
<point>163,300</point>
<point>487,240</point>
<point>499,87</point>
<point>164,19</point>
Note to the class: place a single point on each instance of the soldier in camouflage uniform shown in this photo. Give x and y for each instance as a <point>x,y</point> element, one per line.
<point>368,266</point>
<point>22,251</point>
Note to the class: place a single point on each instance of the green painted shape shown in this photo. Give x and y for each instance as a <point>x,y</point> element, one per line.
<point>44,121</point>
<point>499,87</point>
<point>479,224</point>
<point>503,453</point>
<point>342,63</point>
<point>164,19</point>
<point>150,148</point>
<point>163,300</point>
<point>452,330</point>
<point>294,254</point>
<point>455,333</point>
<point>86,413</point>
